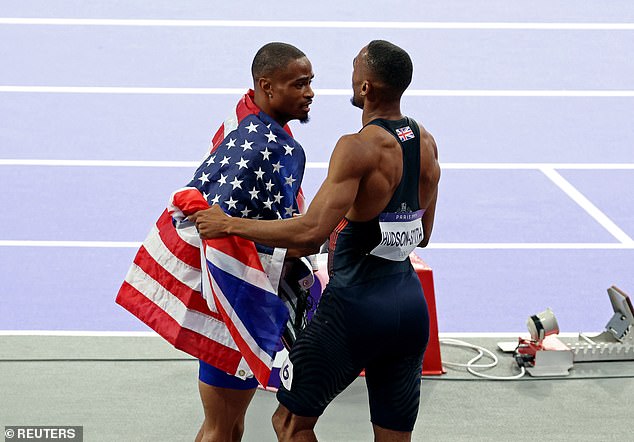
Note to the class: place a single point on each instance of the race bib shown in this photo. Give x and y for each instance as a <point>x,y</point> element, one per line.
<point>401,232</point>
<point>286,374</point>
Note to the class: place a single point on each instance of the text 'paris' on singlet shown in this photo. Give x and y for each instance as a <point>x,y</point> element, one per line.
<point>361,251</point>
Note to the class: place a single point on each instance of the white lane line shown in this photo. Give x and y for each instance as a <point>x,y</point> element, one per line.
<point>114,90</point>
<point>587,205</point>
<point>529,246</point>
<point>81,244</point>
<point>124,90</point>
<point>538,26</point>
<point>97,163</point>
<point>125,334</point>
<point>518,93</point>
<point>438,246</point>
<point>539,166</point>
<point>311,164</point>
<point>120,163</point>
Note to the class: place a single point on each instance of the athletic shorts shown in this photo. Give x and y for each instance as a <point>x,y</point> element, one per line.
<point>210,375</point>
<point>381,326</point>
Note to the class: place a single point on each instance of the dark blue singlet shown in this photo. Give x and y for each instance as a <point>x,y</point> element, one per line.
<point>372,316</point>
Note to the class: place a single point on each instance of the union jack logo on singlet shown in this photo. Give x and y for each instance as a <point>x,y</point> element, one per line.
<point>405,133</point>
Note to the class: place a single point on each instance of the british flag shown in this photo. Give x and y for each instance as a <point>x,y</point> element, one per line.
<point>404,133</point>
<point>216,311</point>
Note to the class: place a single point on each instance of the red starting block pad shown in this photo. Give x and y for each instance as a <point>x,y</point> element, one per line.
<point>432,363</point>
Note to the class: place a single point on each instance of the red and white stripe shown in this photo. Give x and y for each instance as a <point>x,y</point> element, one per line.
<point>163,289</point>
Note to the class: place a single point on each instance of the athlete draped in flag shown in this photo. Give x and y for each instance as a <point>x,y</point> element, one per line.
<point>376,204</point>
<point>225,311</point>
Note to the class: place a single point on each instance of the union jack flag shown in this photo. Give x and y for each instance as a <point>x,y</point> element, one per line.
<point>216,299</point>
<point>405,133</point>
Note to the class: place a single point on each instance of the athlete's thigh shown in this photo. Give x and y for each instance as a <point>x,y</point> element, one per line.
<point>393,376</point>
<point>320,364</point>
<point>394,391</point>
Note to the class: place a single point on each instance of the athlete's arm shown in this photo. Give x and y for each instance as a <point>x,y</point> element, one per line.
<point>299,252</point>
<point>348,165</point>
<point>428,220</point>
<point>428,181</point>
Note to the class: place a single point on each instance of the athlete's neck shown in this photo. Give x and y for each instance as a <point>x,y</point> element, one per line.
<point>261,100</point>
<point>386,111</point>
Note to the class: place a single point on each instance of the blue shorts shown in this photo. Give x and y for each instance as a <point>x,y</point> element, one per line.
<point>210,375</point>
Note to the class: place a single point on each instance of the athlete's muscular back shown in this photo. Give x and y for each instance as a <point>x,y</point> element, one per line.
<point>381,157</point>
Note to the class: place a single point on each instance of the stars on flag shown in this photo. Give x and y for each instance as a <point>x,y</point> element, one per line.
<point>204,178</point>
<point>259,181</point>
<point>289,180</point>
<point>246,145</point>
<point>231,203</point>
<point>277,167</point>
<point>236,183</point>
<point>242,163</point>
<point>272,138</point>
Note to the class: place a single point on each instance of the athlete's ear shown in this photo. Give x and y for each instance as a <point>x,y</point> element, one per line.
<point>365,88</point>
<point>266,85</point>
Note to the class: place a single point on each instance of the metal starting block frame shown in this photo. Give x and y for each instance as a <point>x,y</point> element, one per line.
<point>616,343</point>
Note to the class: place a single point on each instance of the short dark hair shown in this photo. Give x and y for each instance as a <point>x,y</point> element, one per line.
<point>391,65</point>
<point>273,56</point>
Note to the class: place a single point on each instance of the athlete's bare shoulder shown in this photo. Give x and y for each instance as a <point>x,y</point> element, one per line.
<point>365,145</point>
<point>377,136</point>
<point>428,155</point>
<point>349,156</point>
<point>427,141</point>
<point>349,144</point>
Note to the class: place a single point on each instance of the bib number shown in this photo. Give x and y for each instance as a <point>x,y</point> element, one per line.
<point>401,232</point>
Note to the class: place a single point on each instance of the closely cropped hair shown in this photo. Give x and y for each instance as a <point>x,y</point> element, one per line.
<point>273,56</point>
<point>390,64</point>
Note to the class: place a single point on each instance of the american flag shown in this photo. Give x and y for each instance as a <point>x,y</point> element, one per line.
<point>253,169</point>
<point>404,133</point>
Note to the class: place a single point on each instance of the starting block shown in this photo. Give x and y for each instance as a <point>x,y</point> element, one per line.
<point>550,356</point>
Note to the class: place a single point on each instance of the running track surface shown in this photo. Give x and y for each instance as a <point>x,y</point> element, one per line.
<point>530,105</point>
